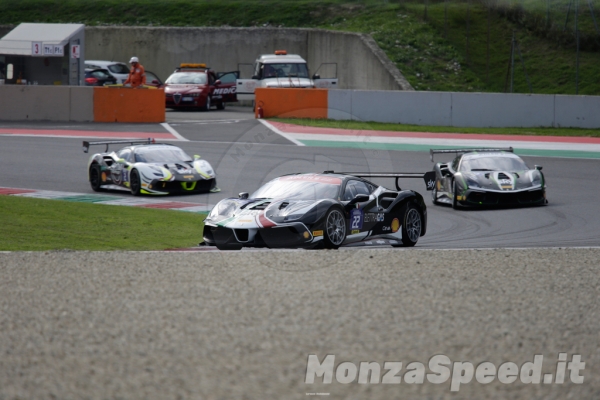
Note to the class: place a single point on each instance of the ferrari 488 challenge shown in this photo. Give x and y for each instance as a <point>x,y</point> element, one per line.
<point>149,168</point>
<point>486,177</point>
<point>317,210</point>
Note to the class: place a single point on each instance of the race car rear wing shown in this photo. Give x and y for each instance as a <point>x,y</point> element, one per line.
<point>425,176</point>
<point>86,145</point>
<point>442,151</point>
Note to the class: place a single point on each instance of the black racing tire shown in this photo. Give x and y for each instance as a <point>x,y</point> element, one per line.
<point>221,105</point>
<point>412,225</point>
<point>335,228</point>
<point>454,195</point>
<point>135,185</point>
<point>207,105</point>
<point>95,180</point>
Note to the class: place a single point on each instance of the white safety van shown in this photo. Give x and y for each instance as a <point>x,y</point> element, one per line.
<point>282,70</point>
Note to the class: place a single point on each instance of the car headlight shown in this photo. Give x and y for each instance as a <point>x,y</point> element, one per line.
<point>536,178</point>
<point>203,167</point>
<point>472,183</point>
<point>225,208</point>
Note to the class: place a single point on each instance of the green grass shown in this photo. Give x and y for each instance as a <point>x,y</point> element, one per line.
<point>381,126</point>
<point>38,225</point>
<point>426,39</point>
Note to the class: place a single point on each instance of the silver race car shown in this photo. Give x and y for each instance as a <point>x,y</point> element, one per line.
<point>149,168</point>
<point>485,177</point>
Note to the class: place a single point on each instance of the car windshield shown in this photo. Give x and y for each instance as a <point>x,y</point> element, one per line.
<point>118,69</point>
<point>300,187</point>
<point>284,70</point>
<point>493,164</point>
<point>161,154</point>
<point>99,73</point>
<point>192,78</point>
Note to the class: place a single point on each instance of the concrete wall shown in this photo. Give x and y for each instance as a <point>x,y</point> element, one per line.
<point>465,109</point>
<point>361,64</point>
<point>81,104</point>
<point>46,103</point>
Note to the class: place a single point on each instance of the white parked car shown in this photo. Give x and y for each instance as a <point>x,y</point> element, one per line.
<point>119,70</point>
<point>282,70</point>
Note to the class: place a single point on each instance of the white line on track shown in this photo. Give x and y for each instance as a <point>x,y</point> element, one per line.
<point>280,133</point>
<point>208,121</point>
<point>173,132</point>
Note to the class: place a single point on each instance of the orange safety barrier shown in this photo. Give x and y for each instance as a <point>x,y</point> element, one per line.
<point>129,105</point>
<point>291,103</point>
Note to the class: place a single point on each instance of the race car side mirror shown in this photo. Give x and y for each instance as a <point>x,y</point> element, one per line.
<point>243,195</point>
<point>538,167</point>
<point>196,157</point>
<point>316,76</point>
<point>255,77</point>
<point>122,161</point>
<point>359,198</point>
<point>217,82</point>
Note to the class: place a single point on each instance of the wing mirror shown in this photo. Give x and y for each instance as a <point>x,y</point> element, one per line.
<point>255,77</point>
<point>243,195</point>
<point>538,167</point>
<point>122,161</point>
<point>359,198</point>
<point>196,157</point>
<point>316,76</point>
<point>217,82</point>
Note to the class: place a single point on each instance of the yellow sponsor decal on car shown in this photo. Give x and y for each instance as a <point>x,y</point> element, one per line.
<point>188,176</point>
<point>354,231</point>
<point>317,233</point>
<point>395,225</point>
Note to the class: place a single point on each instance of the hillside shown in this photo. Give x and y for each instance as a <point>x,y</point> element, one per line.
<point>440,46</point>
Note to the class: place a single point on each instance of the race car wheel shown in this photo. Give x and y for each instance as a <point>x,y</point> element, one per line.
<point>411,226</point>
<point>134,182</point>
<point>221,105</point>
<point>335,229</point>
<point>207,105</point>
<point>454,196</point>
<point>95,181</point>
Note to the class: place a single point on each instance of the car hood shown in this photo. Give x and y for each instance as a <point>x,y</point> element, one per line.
<point>290,82</point>
<point>259,213</point>
<point>195,168</point>
<point>183,88</point>
<point>503,180</point>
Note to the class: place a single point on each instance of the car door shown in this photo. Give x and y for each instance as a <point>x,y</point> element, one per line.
<point>227,88</point>
<point>153,80</point>
<point>361,219</point>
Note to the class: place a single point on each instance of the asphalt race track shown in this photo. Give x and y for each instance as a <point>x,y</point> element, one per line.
<point>246,154</point>
<point>496,286</point>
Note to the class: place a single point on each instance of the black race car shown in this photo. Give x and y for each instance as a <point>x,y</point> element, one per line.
<point>317,210</point>
<point>486,177</point>
<point>146,167</point>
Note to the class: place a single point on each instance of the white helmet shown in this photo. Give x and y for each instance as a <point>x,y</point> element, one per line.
<point>134,59</point>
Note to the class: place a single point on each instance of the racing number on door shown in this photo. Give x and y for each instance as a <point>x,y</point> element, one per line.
<point>356,219</point>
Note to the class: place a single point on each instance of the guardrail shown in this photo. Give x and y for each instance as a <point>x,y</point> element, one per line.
<point>435,108</point>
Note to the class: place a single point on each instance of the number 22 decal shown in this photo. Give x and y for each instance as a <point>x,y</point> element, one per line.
<point>356,219</point>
